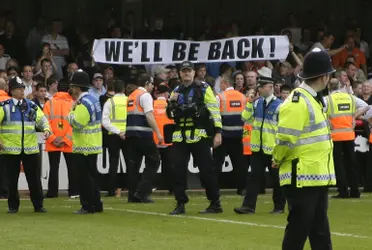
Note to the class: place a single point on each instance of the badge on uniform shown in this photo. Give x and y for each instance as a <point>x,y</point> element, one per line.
<point>60,125</point>
<point>296,97</point>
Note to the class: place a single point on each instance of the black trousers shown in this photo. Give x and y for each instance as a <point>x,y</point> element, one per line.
<point>232,147</point>
<point>139,148</point>
<point>345,166</point>
<point>90,197</point>
<point>307,218</point>
<point>53,181</point>
<point>201,152</point>
<point>32,173</point>
<point>259,161</point>
<point>166,166</point>
<point>3,178</point>
<point>115,144</point>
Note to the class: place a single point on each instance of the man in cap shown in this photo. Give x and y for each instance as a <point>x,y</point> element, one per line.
<point>18,143</point>
<point>97,89</point>
<point>85,119</point>
<point>263,115</point>
<point>192,105</point>
<point>139,133</point>
<point>303,154</point>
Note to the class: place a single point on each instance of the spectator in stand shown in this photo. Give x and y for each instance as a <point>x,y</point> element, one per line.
<point>284,71</point>
<point>250,79</point>
<point>293,28</point>
<point>353,52</point>
<point>3,57</point>
<point>3,75</point>
<point>12,71</point>
<point>239,80</point>
<point>71,69</point>
<point>173,72</point>
<point>353,73</point>
<point>344,81</point>
<point>108,74</point>
<point>11,62</point>
<point>161,73</point>
<point>200,72</point>
<point>278,87</point>
<point>285,91</point>
<point>305,43</point>
<point>12,44</point>
<point>97,89</point>
<point>363,45</point>
<point>41,95</point>
<point>225,68</point>
<point>58,46</point>
<point>46,53</point>
<point>326,42</point>
<point>367,92</point>
<point>27,75</point>
<point>52,85</point>
<point>357,88</point>
<point>34,38</point>
<point>45,73</point>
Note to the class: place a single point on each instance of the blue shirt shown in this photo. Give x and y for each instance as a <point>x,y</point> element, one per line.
<point>95,93</point>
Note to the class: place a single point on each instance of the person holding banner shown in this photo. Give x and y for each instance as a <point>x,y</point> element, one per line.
<point>191,106</point>
<point>304,155</point>
<point>263,115</point>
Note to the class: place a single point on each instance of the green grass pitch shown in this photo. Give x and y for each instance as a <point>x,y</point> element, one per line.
<point>147,226</point>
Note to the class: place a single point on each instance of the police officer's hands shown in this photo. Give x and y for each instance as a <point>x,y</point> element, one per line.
<point>122,136</point>
<point>275,165</point>
<point>174,97</point>
<point>217,141</point>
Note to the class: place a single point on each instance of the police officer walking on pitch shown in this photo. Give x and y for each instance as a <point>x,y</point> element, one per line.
<point>303,153</point>
<point>18,142</point>
<point>85,119</point>
<point>191,106</point>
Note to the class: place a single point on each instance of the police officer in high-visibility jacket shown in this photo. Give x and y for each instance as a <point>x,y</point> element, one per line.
<point>57,110</point>
<point>18,142</point>
<point>303,153</point>
<point>165,149</point>
<point>231,104</point>
<point>191,106</point>
<point>342,111</point>
<point>85,119</point>
<point>263,114</point>
<point>140,126</point>
<point>114,120</point>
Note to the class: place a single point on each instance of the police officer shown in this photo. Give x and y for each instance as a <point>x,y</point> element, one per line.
<point>303,153</point>
<point>140,127</point>
<point>85,119</point>
<point>114,119</point>
<point>263,113</point>
<point>191,105</point>
<point>231,104</point>
<point>18,142</point>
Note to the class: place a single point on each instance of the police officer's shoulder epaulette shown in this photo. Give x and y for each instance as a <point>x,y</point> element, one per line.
<point>3,103</point>
<point>296,96</point>
<point>33,105</point>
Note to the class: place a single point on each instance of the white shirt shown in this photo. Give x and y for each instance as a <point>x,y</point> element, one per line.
<point>15,101</point>
<point>28,88</point>
<point>269,98</point>
<point>308,89</point>
<point>217,85</point>
<point>146,101</point>
<point>3,60</point>
<point>359,103</point>
<point>318,45</point>
<point>106,122</point>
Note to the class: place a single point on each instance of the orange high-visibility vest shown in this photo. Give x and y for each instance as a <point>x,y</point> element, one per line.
<point>247,129</point>
<point>161,119</point>
<point>341,109</point>
<point>3,96</point>
<point>56,111</point>
<point>232,104</point>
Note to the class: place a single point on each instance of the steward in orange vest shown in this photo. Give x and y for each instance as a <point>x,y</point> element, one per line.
<point>341,111</point>
<point>165,150</point>
<point>56,110</point>
<point>139,135</point>
<point>232,104</point>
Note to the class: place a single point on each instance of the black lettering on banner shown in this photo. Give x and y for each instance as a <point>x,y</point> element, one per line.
<point>228,50</point>
<point>243,51</point>
<point>157,57</point>
<point>127,50</point>
<point>344,107</point>
<point>257,50</point>
<point>194,49</point>
<point>112,51</point>
<point>272,47</point>
<point>179,51</point>
<point>144,56</point>
<point>214,51</point>
<point>235,104</point>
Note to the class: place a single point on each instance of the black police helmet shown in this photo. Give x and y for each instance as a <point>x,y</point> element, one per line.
<point>316,63</point>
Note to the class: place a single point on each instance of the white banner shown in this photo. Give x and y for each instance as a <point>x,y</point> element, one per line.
<point>248,48</point>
